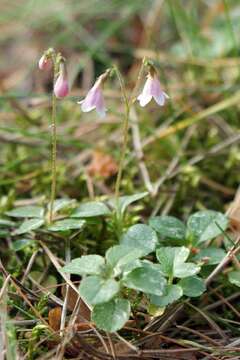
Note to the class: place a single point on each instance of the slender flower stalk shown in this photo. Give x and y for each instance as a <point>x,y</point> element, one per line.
<point>60,90</point>
<point>125,135</point>
<point>54,146</point>
<point>128,104</point>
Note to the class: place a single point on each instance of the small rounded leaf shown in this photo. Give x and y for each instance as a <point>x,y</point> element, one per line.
<point>26,212</point>
<point>119,256</point>
<point>85,265</point>
<point>192,286</point>
<point>91,209</point>
<point>141,236</point>
<point>111,316</point>
<point>96,290</point>
<point>66,225</point>
<point>171,294</point>
<point>210,256</point>
<point>29,225</point>
<point>206,225</point>
<point>172,260</point>
<point>168,227</point>
<point>147,279</point>
<point>60,204</point>
<point>185,270</point>
<point>171,257</point>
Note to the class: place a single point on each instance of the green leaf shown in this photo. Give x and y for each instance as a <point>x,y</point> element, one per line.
<point>29,225</point>
<point>131,266</point>
<point>22,244</point>
<point>192,286</point>
<point>125,201</point>
<point>27,212</point>
<point>214,256</point>
<point>206,225</point>
<point>91,209</point>
<point>6,223</point>
<point>96,290</point>
<point>146,279</point>
<point>168,256</point>
<point>185,270</point>
<point>142,237</point>
<point>67,224</point>
<point>172,260</point>
<point>168,227</point>
<point>85,265</point>
<point>111,316</point>
<point>171,294</point>
<point>234,278</point>
<point>4,233</point>
<point>60,204</point>
<point>119,256</point>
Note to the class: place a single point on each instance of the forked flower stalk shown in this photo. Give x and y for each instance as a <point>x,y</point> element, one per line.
<point>60,90</point>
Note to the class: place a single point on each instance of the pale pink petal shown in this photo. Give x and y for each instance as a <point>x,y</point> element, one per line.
<point>146,96</point>
<point>88,103</point>
<point>94,100</point>
<point>160,99</point>
<point>144,99</point>
<point>100,106</point>
<point>152,89</point>
<point>155,88</point>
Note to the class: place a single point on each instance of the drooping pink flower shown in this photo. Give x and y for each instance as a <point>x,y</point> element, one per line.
<point>152,89</point>
<point>94,100</point>
<point>61,88</point>
<point>44,63</point>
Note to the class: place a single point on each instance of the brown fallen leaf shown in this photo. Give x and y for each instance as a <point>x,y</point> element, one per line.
<point>54,318</point>
<point>83,326</point>
<point>102,165</point>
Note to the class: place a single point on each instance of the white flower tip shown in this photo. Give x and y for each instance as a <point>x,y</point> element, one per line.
<point>144,99</point>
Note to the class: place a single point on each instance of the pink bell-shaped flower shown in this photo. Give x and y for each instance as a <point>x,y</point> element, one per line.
<point>94,98</point>
<point>61,88</point>
<point>44,63</point>
<point>152,89</point>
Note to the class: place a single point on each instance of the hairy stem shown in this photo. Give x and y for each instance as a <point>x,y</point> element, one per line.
<point>128,105</point>
<point>54,147</point>
<point>125,136</point>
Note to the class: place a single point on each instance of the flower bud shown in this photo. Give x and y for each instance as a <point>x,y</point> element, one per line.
<point>61,88</point>
<point>44,63</point>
